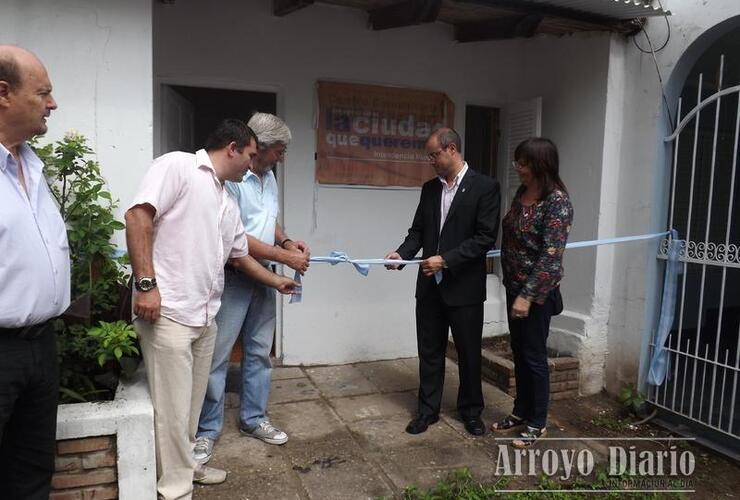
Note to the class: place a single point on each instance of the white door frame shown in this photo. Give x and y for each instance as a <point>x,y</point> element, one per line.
<point>226,84</point>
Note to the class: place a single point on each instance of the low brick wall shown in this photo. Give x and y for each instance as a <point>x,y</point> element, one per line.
<point>105,449</point>
<point>85,469</point>
<point>498,368</point>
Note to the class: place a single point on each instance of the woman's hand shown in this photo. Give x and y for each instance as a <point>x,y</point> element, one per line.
<point>520,308</point>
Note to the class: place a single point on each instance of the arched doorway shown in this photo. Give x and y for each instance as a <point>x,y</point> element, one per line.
<point>703,386</point>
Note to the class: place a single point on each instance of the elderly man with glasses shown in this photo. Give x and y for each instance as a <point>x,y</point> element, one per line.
<point>248,308</point>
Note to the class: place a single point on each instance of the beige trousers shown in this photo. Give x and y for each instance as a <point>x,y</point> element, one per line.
<point>178,360</point>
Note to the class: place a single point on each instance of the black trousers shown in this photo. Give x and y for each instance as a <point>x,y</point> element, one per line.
<point>433,321</point>
<point>29,388</point>
<point>529,346</point>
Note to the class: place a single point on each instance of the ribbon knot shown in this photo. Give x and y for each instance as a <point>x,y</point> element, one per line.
<point>337,257</point>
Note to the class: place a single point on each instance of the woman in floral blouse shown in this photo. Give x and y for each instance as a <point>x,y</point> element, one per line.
<point>535,231</point>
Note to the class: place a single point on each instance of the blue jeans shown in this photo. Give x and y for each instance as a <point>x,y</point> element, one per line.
<point>247,308</point>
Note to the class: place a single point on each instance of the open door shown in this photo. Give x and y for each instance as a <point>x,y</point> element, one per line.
<point>522,120</point>
<point>519,121</point>
<point>189,113</point>
<point>178,123</point>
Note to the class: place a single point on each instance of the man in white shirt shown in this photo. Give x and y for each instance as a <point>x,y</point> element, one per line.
<point>181,229</point>
<point>249,307</point>
<point>34,282</point>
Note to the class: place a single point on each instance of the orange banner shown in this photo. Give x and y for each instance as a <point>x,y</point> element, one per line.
<point>375,136</point>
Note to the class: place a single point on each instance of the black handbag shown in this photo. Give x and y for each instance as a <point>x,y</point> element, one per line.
<point>558,298</point>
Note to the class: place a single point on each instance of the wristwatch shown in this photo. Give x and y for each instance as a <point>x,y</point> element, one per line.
<point>145,283</point>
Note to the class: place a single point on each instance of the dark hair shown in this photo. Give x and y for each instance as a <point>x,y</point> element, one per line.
<point>10,72</point>
<point>447,136</point>
<point>541,156</point>
<point>228,131</point>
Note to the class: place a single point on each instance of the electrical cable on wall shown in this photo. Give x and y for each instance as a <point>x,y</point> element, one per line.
<point>652,51</point>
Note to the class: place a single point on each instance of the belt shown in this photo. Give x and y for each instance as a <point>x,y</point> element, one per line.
<point>27,332</point>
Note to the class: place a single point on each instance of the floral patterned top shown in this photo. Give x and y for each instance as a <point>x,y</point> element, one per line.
<point>533,243</point>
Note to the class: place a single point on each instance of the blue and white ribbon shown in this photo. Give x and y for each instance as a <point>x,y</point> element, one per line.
<point>660,364</point>
<point>363,265</point>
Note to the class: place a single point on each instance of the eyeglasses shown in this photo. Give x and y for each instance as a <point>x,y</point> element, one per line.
<point>518,166</point>
<point>279,150</point>
<point>435,154</point>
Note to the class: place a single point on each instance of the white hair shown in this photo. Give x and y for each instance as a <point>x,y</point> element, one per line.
<point>269,129</point>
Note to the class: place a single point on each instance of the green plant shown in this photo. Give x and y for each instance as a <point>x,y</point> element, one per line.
<point>98,275</point>
<point>632,399</point>
<point>88,209</point>
<point>76,351</point>
<point>611,423</point>
<point>461,485</point>
<point>115,340</point>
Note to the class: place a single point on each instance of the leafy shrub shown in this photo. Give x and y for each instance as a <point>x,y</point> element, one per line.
<point>632,399</point>
<point>114,341</point>
<point>89,356</point>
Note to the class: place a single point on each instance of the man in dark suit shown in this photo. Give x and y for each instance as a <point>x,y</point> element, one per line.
<point>455,224</point>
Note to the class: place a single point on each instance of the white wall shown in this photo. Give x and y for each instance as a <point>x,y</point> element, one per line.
<point>98,55</point>
<point>239,44</point>
<point>601,105</point>
<point>100,60</point>
<point>645,175</point>
<point>581,104</point>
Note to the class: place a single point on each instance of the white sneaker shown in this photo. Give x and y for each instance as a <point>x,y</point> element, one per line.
<point>266,432</point>
<point>203,450</point>
<point>208,475</point>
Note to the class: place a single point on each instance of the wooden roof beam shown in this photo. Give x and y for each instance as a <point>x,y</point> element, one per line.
<point>405,13</point>
<point>500,28</point>
<point>282,8</point>
<point>528,7</point>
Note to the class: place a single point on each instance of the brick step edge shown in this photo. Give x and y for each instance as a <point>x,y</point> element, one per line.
<point>499,371</point>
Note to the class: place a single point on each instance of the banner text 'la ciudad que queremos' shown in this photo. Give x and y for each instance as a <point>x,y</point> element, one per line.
<point>375,136</point>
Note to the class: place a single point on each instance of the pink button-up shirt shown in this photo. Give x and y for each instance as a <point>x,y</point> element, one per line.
<point>448,194</point>
<point>197,228</point>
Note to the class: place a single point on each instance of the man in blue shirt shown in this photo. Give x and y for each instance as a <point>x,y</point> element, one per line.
<point>34,282</point>
<point>247,307</point>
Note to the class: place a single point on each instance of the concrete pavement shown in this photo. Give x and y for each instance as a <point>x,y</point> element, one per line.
<point>347,440</point>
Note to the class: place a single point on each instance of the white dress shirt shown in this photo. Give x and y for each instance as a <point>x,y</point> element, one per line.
<point>35,276</point>
<point>449,190</point>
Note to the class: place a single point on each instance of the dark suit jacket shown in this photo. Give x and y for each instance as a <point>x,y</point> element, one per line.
<point>469,232</point>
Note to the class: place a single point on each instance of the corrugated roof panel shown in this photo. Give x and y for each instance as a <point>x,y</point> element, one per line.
<point>616,9</point>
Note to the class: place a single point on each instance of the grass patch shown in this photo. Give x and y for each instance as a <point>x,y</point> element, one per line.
<point>612,423</point>
<point>461,485</point>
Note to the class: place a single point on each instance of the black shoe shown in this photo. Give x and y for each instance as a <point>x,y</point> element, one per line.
<point>475,426</point>
<point>420,423</point>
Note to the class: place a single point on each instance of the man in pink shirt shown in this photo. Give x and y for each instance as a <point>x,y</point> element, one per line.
<point>181,229</point>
